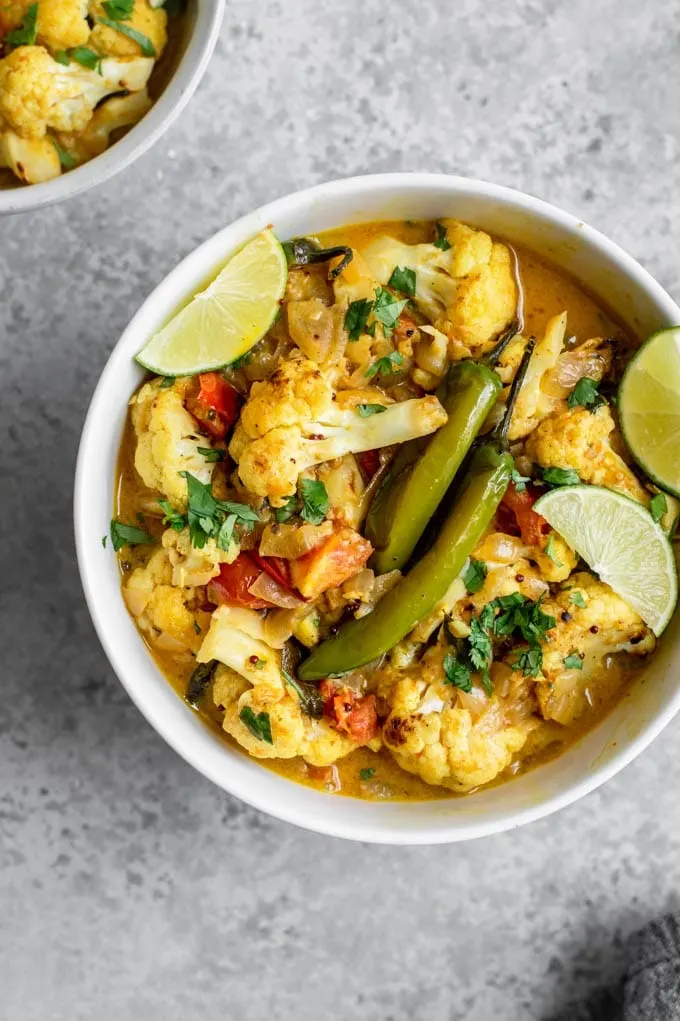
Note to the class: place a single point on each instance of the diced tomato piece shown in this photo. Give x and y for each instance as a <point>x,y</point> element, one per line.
<point>532,527</point>
<point>369,462</point>
<point>217,404</point>
<point>275,567</point>
<point>331,563</point>
<point>231,585</point>
<point>351,713</point>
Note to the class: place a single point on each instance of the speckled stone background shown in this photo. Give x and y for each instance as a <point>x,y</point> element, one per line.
<point>131,888</point>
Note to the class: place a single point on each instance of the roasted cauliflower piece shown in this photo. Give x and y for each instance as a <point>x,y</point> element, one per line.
<point>588,634</point>
<point>63,24</point>
<point>112,115</point>
<point>37,93</point>
<point>167,442</point>
<point>159,607</point>
<point>149,21</point>
<point>581,440</point>
<point>294,421</point>
<point>192,566</point>
<point>32,160</point>
<point>468,292</point>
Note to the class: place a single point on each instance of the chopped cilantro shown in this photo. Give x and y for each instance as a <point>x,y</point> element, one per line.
<point>574,661</point>
<point>104,538</point>
<point>367,774</point>
<point>560,476</point>
<point>385,366</point>
<point>518,616</point>
<point>586,395</point>
<point>403,279</point>
<point>529,661</point>
<point>167,382</point>
<point>519,481</point>
<point>577,599</point>
<point>442,241</point>
<point>314,501</point>
<point>67,161</point>
<point>128,535</point>
<point>258,724</point>
<point>290,507</point>
<point>550,552</point>
<point>474,575</point>
<point>211,455</point>
<point>226,532</point>
<point>172,517</point>
<point>356,317</point>
<point>119,10</point>
<point>479,646</point>
<point>387,308</point>
<point>209,517</point>
<point>86,57</point>
<point>143,41</point>
<point>366,410</point>
<point>457,673</point>
<point>62,57</point>
<point>658,506</point>
<point>26,33</point>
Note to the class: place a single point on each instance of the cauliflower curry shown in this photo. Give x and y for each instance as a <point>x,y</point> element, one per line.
<point>76,74</point>
<point>246,499</point>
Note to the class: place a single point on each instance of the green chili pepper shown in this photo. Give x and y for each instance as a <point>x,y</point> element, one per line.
<point>418,592</point>
<point>423,470</point>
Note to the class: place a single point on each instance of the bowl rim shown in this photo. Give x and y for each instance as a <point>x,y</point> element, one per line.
<point>143,135</point>
<point>364,829</point>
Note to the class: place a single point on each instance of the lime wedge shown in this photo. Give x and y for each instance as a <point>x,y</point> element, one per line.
<point>223,322</point>
<point>649,408</point>
<point>619,540</point>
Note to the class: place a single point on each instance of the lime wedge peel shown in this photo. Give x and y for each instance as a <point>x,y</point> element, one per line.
<point>224,321</point>
<point>649,408</point>
<point>620,541</point>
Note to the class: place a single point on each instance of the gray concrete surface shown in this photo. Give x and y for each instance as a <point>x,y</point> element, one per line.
<point>130,887</point>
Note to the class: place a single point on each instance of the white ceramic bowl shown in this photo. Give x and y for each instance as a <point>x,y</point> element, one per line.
<point>611,275</point>
<point>202,25</point>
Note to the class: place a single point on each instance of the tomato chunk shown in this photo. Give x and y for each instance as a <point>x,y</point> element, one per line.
<point>369,462</point>
<point>519,506</point>
<point>217,404</point>
<point>231,585</point>
<point>328,776</point>
<point>275,567</point>
<point>355,715</point>
<point>326,566</point>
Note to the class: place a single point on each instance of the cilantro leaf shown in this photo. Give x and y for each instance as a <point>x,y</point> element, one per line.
<point>586,395</point>
<point>62,57</point>
<point>86,57</point>
<point>226,532</point>
<point>314,501</point>
<point>119,10</point>
<point>577,599</point>
<point>479,643</point>
<point>573,661</point>
<point>67,161</point>
<point>290,507</point>
<point>366,410</point>
<point>384,366</point>
<point>258,724</point>
<point>560,476</point>
<point>367,774</point>
<point>519,481</point>
<point>550,552</point>
<point>457,673</point>
<point>387,308</point>
<point>474,575</point>
<point>658,506</point>
<point>529,661</point>
<point>167,382</point>
<point>143,41</point>
<point>442,241</point>
<point>208,517</point>
<point>26,33</point>
<point>128,535</point>
<point>172,517</point>
<point>211,455</point>
<point>403,279</point>
<point>356,317</point>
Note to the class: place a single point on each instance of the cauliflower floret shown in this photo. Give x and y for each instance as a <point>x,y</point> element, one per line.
<point>291,423</point>
<point>151,22</point>
<point>112,115</point>
<point>580,439</point>
<point>159,607</point>
<point>32,160</point>
<point>37,93</point>
<point>62,24</point>
<point>167,442</point>
<point>250,678</point>
<point>430,734</point>
<point>604,626</point>
<point>468,292</point>
<point>192,566</point>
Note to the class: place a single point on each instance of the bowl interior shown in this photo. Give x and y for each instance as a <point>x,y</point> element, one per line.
<point>611,276</point>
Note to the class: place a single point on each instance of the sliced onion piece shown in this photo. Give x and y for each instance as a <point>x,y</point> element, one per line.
<point>265,587</point>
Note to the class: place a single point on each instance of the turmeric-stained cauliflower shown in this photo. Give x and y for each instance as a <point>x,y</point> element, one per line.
<point>159,607</point>
<point>192,566</point>
<point>592,623</point>
<point>32,160</point>
<point>150,21</point>
<point>110,116</point>
<point>63,24</point>
<point>37,92</point>
<point>580,439</point>
<point>294,421</point>
<point>167,442</point>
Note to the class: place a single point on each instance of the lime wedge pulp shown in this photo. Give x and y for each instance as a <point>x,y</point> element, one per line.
<point>649,408</point>
<point>223,322</point>
<point>620,541</point>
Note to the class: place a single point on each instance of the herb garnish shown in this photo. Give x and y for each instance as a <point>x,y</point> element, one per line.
<point>314,501</point>
<point>211,518</point>
<point>26,33</point>
<point>366,410</point>
<point>586,395</point>
<point>367,774</point>
<point>574,661</point>
<point>403,279</point>
<point>529,661</point>
<point>199,682</point>
<point>519,617</point>
<point>658,506</point>
<point>311,701</point>
<point>119,10</point>
<point>550,552</point>
<point>474,575</point>
<point>67,161</point>
<point>210,454</point>
<point>519,481</point>
<point>384,366</point>
<point>457,673</point>
<point>128,535</point>
<point>86,57</point>
<point>356,317</point>
<point>442,241</point>
<point>167,382</point>
<point>290,507</point>
<point>257,723</point>
<point>387,309</point>
<point>172,517</point>
<point>62,57</point>
<point>143,41</point>
<point>560,476</point>
<point>577,599</point>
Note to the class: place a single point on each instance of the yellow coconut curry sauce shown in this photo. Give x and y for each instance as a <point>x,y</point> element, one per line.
<point>425,721</point>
